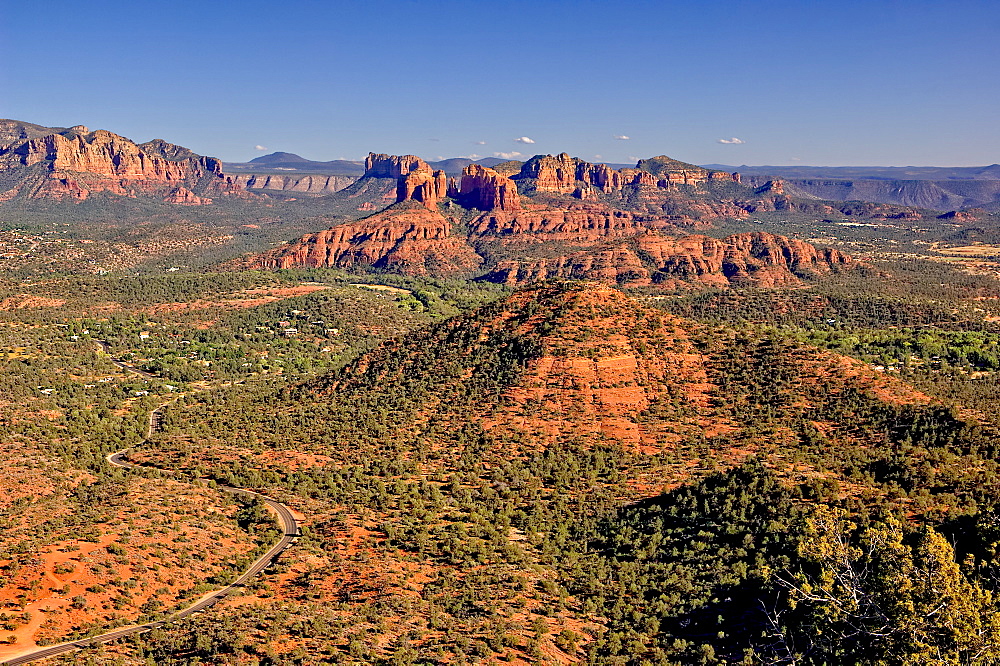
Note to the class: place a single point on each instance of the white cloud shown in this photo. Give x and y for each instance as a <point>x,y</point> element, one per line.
<point>796,159</point>
<point>507,156</point>
<point>622,137</point>
<point>260,147</point>
<point>597,157</point>
<point>733,140</point>
<point>480,143</point>
<point>473,156</point>
<point>524,139</point>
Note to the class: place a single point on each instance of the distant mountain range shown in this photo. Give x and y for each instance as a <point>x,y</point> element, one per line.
<point>937,188</point>
<point>991,172</point>
<point>291,163</point>
<point>72,163</point>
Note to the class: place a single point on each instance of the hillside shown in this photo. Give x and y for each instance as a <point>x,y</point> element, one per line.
<point>568,474</point>
<point>59,163</point>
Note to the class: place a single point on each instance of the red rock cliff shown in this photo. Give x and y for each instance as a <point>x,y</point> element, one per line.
<point>410,240</point>
<point>424,186</point>
<point>104,161</point>
<point>486,189</point>
<point>750,258</point>
<point>379,165</point>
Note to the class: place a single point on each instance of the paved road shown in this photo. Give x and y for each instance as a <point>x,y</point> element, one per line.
<point>289,526</point>
<point>122,364</point>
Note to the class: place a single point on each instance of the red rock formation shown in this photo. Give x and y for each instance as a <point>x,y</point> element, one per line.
<point>772,187</point>
<point>563,174</point>
<point>182,195</point>
<point>751,258</point>
<point>967,215</point>
<point>423,186</point>
<point>581,223</point>
<point>379,165</point>
<point>414,241</point>
<point>415,180</point>
<point>551,173</point>
<point>106,154</point>
<point>485,189</point>
<point>61,188</point>
<point>80,162</point>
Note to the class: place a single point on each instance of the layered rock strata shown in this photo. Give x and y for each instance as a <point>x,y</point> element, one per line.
<point>75,162</point>
<point>760,259</point>
<point>410,240</point>
<point>301,185</point>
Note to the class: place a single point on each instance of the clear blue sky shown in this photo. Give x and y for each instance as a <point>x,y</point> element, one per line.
<point>851,82</point>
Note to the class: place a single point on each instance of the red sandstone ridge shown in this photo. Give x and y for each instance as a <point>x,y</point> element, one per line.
<point>760,259</point>
<point>570,175</point>
<point>579,223</point>
<point>75,162</point>
<point>654,183</point>
<point>408,239</point>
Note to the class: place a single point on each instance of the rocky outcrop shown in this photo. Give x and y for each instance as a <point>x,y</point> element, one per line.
<point>551,173</point>
<point>775,187</point>
<point>380,165</point>
<point>485,189</point>
<point>415,179</point>
<point>184,196</point>
<point>407,239</point>
<point>106,154</point>
<point>579,224</point>
<point>563,174</point>
<point>759,259</point>
<point>300,185</point>
<point>78,162</point>
<point>968,215</point>
<point>428,187</point>
<point>655,183</point>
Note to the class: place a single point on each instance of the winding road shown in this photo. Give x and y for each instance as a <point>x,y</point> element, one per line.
<point>289,526</point>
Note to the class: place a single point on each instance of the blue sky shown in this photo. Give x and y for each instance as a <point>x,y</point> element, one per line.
<point>878,82</point>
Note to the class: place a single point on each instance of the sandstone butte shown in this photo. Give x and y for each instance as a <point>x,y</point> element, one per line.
<point>411,240</point>
<point>75,162</point>
<point>571,236</point>
<point>595,362</point>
